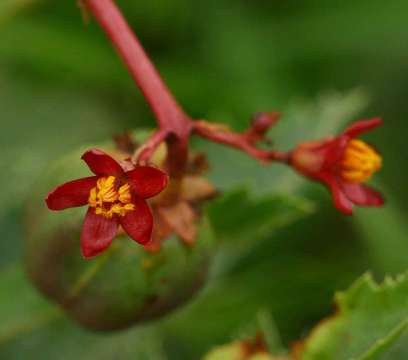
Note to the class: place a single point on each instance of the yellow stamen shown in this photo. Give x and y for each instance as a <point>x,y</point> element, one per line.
<point>106,187</point>
<point>108,201</point>
<point>124,194</point>
<point>120,209</point>
<point>360,161</point>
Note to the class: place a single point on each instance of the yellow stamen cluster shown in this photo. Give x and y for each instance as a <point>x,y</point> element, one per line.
<point>360,161</point>
<point>108,201</point>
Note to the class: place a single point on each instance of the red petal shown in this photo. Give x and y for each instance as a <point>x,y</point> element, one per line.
<point>335,150</point>
<point>363,195</point>
<point>362,126</point>
<point>341,202</point>
<point>147,181</point>
<point>138,223</point>
<point>97,233</point>
<point>101,163</point>
<point>71,194</point>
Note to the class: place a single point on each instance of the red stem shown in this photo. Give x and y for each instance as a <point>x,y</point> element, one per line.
<point>242,142</point>
<point>170,116</point>
<point>150,146</point>
<point>175,126</point>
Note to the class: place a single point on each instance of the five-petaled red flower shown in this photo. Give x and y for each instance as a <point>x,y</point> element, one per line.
<point>343,164</point>
<point>114,196</point>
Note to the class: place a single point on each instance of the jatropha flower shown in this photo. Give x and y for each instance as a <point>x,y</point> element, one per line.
<point>115,196</point>
<point>343,163</point>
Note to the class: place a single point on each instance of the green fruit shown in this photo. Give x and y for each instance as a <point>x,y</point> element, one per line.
<point>123,286</point>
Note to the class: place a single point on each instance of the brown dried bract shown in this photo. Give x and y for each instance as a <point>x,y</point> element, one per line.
<point>178,209</point>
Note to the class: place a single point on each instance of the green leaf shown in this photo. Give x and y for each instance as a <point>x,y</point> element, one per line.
<point>241,221</point>
<point>369,319</point>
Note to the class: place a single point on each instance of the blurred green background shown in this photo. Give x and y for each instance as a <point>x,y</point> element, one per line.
<point>321,63</point>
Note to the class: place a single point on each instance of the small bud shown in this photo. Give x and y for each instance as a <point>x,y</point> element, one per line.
<point>342,163</point>
<point>262,121</point>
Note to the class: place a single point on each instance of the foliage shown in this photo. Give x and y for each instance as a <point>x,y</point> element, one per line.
<point>62,86</point>
<point>369,318</point>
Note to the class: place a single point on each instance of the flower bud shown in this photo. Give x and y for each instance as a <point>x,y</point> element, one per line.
<point>344,164</point>
<point>262,121</point>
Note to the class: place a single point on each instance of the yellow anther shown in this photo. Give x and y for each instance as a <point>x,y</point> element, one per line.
<point>93,199</point>
<point>124,194</point>
<point>360,161</point>
<point>106,189</point>
<point>120,209</point>
<point>108,201</point>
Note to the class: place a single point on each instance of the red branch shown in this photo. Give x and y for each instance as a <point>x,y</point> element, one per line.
<point>175,126</point>
<point>169,114</point>
<point>150,146</point>
<point>247,140</point>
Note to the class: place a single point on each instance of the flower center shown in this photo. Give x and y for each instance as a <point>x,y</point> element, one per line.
<point>360,161</point>
<point>108,201</point>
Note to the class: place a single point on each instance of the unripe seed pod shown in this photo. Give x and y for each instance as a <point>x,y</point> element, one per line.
<point>122,286</point>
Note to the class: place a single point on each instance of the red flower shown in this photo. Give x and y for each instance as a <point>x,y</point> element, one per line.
<point>343,164</point>
<point>114,196</point>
